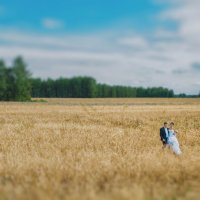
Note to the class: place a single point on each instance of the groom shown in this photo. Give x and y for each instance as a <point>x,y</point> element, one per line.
<point>164,133</point>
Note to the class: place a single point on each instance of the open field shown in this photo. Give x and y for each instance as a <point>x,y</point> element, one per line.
<point>98,149</point>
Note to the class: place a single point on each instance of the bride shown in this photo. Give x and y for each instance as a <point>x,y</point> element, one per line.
<point>172,140</point>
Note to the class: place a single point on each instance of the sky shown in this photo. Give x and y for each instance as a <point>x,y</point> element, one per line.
<point>119,42</point>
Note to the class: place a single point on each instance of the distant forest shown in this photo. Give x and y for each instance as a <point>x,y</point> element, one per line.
<point>87,87</point>
<point>17,84</point>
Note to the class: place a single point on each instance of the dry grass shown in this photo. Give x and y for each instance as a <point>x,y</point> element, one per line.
<point>91,149</point>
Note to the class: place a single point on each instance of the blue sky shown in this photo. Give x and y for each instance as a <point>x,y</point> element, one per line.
<point>129,42</point>
<point>79,15</point>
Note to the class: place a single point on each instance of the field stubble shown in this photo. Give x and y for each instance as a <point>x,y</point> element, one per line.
<point>96,150</point>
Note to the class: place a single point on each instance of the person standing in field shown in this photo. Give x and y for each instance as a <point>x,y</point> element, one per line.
<point>164,134</point>
<point>172,140</point>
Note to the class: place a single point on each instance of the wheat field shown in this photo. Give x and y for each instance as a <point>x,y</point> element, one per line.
<point>98,149</point>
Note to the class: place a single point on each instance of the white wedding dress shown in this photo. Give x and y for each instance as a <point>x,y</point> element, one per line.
<point>173,142</point>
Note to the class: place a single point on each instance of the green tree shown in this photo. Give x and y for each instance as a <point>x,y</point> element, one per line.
<point>62,87</point>
<point>3,81</point>
<point>22,80</point>
<point>88,87</point>
<point>50,88</point>
<point>36,87</point>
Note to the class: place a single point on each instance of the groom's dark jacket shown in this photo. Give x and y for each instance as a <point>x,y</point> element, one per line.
<point>163,136</point>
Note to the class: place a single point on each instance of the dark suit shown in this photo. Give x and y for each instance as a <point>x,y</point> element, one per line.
<point>163,135</point>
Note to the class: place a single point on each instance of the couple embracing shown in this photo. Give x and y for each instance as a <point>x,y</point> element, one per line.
<point>168,138</point>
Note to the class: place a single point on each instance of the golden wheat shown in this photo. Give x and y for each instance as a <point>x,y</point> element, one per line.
<point>98,149</point>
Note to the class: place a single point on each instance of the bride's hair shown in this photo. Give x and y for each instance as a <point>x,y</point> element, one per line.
<point>172,123</point>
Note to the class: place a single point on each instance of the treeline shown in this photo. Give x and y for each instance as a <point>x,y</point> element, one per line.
<point>17,84</point>
<point>87,87</point>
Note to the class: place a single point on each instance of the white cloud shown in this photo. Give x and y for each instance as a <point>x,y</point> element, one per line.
<point>51,23</point>
<point>134,41</point>
<point>186,14</point>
